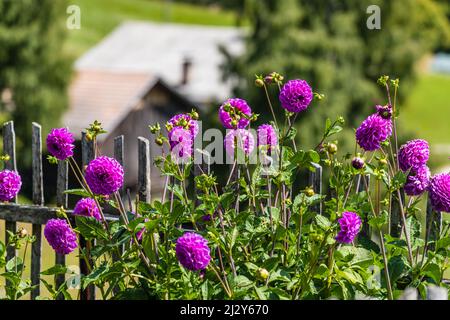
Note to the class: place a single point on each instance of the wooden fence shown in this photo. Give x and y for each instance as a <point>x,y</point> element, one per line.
<point>38,214</point>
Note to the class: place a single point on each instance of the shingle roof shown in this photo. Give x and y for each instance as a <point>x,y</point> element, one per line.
<point>160,49</point>
<point>104,96</point>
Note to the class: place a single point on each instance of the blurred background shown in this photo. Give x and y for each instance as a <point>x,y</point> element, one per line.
<point>131,63</point>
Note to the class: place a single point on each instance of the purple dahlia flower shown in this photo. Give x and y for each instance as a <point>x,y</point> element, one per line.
<point>233,113</point>
<point>60,143</point>
<point>240,137</point>
<point>185,121</point>
<point>181,143</point>
<point>88,208</point>
<point>439,192</point>
<point>373,131</point>
<point>60,236</point>
<point>296,95</point>
<point>104,175</point>
<point>417,181</point>
<point>267,136</point>
<point>10,183</point>
<point>350,225</point>
<point>192,251</point>
<point>413,154</point>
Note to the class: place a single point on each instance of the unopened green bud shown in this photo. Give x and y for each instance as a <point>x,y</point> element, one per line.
<point>309,192</point>
<point>332,148</point>
<point>159,141</point>
<point>259,83</point>
<point>262,274</point>
<point>194,114</point>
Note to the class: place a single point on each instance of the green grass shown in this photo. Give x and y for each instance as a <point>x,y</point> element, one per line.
<point>426,114</point>
<point>100,17</point>
<point>427,109</point>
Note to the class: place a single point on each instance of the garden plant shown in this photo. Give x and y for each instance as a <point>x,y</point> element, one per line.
<point>260,235</point>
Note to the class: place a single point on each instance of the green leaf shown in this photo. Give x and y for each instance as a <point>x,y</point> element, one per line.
<point>90,228</point>
<point>95,275</point>
<point>334,130</point>
<point>151,225</point>
<point>204,290</point>
<point>260,293</point>
<point>398,267</point>
<point>78,192</point>
<point>379,221</point>
<point>14,264</point>
<point>242,281</point>
<point>291,133</point>
<point>327,124</point>
<point>433,270</point>
<point>313,156</point>
<point>323,222</point>
<point>56,269</point>
<point>443,243</point>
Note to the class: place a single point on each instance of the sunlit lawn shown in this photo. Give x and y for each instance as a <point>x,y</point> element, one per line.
<point>100,17</point>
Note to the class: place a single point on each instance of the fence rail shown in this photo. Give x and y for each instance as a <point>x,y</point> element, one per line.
<point>38,214</point>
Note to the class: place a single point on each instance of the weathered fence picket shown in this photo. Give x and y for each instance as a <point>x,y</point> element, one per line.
<point>62,181</point>
<point>119,156</point>
<point>38,199</point>
<point>144,182</point>
<point>9,148</point>
<point>87,155</point>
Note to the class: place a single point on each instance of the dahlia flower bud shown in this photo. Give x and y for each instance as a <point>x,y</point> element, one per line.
<point>192,251</point>
<point>87,207</point>
<point>309,192</point>
<point>358,162</point>
<point>413,154</point>
<point>10,184</point>
<point>22,233</point>
<point>104,175</point>
<point>194,114</point>
<point>185,121</point>
<point>60,236</point>
<point>439,192</point>
<point>181,143</point>
<point>233,113</point>
<point>259,83</point>
<point>373,131</point>
<point>268,79</point>
<point>159,141</point>
<point>262,274</point>
<point>296,95</point>
<point>417,181</point>
<point>350,225</point>
<point>60,143</point>
<point>384,111</point>
<point>332,148</point>
<point>241,138</point>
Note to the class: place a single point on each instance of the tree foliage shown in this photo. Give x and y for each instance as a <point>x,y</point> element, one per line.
<point>34,72</point>
<point>327,43</point>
